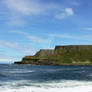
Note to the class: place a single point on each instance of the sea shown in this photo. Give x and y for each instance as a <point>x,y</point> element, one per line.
<point>40,78</point>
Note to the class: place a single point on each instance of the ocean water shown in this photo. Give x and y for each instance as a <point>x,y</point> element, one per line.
<point>36,78</point>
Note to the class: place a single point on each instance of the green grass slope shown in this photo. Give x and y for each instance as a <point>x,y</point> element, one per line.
<point>62,55</point>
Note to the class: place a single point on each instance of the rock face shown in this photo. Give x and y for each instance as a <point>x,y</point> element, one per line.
<point>61,55</point>
<point>43,52</point>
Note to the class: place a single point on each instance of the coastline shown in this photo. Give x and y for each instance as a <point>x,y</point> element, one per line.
<point>56,64</point>
<point>61,55</point>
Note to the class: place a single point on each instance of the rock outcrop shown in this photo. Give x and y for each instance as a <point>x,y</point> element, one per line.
<point>61,55</point>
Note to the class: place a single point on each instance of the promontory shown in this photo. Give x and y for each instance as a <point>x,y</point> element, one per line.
<point>61,55</point>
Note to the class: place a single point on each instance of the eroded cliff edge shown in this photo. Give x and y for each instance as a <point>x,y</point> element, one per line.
<point>61,55</point>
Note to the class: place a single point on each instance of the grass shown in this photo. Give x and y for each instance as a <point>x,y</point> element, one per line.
<point>71,56</point>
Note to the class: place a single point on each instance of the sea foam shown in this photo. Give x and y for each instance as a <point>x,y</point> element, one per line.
<point>34,89</point>
<point>61,86</point>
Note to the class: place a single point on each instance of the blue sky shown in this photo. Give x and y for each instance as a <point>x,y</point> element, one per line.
<point>29,25</point>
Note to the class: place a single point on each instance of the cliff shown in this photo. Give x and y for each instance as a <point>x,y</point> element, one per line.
<point>61,55</point>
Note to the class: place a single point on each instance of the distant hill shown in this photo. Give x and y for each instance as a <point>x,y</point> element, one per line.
<point>61,55</point>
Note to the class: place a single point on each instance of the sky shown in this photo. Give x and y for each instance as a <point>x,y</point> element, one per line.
<point>26,26</point>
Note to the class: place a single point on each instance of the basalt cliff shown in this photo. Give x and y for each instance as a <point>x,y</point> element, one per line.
<point>61,55</point>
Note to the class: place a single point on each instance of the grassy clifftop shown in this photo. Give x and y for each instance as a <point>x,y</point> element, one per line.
<point>61,55</point>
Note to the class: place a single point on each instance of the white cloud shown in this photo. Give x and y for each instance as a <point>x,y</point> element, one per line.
<point>7,60</point>
<point>11,45</point>
<point>18,47</point>
<point>18,32</point>
<point>69,11</point>
<point>16,21</point>
<point>32,38</point>
<point>73,36</point>
<point>72,2</point>
<point>50,38</point>
<point>37,41</point>
<point>88,28</point>
<point>29,7</point>
<point>25,7</point>
<point>19,9</point>
<point>61,35</point>
<point>66,13</point>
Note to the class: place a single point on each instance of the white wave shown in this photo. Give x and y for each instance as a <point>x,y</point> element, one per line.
<point>19,71</point>
<point>35,89</point>
<point>55,86</point>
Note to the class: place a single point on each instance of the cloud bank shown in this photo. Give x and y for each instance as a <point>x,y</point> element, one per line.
<point>17,10</point>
